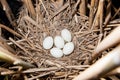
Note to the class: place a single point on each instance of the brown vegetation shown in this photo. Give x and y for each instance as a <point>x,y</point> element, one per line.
<point>89,21</point>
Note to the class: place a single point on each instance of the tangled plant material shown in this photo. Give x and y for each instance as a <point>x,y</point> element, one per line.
<point>49,17</point>
<point>34,32</point>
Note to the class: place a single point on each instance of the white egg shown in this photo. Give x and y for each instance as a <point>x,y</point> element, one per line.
<point>65,33</point>
<point>56,52</point>
<point>48,42</point>
<point>59,42</point>
<point>68,48</point>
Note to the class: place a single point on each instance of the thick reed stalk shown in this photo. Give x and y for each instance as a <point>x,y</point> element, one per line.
<point>30,7</point>
<point>7,56</point>
<point>82,7</point>
<point>111,40</point>
<point>96,21</point>
<point>102,66</point>
<point>91,15</point>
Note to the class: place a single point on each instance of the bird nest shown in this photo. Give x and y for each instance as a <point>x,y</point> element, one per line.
<point>49,21</point>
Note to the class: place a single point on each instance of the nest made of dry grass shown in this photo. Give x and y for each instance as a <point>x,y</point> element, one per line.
<point>49,22</point>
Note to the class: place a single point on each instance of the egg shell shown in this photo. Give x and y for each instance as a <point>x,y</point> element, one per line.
<point>56,52</point>
<point>68,48</point>
<point>59,42</point>
<point>48,42</point>
<point>65,33</point>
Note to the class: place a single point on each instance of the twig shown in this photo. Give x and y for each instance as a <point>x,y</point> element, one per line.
<point>115,14</point>
<point>75,67</point>
<point>10,30</point>
<point>75,7</point>
<point>60,10</point>
<point>31,21</point>
<point>80,67</point>
<point>41,75</point>
<point>20,47</point>
<point>44,7</point>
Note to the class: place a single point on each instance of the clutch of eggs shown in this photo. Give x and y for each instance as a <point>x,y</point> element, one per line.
<point>60,48</point>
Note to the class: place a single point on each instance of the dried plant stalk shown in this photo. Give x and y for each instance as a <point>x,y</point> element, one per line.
<point>82,7</point>
<point>92,11</point>
<point>102,66</point>
<point>7,56</point>
<point>61,9</point>
<point>111,40</point>
<point>5,71</point>
<point>101,17</point>
<point>8,12</point>
<point>114,72</point>
<point>108,13</point>
<point>30,7</point>
<point>4,44</point>
<point>96,21</point>
<point>10,30</point>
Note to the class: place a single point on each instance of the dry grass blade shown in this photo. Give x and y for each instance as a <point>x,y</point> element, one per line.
<point>92,12</point>
<point>108,13</point>
<point>30,20</point>
<point>101,17</point>
<point>30,7</point>
<point>41,75</point>
<point>96,21</point>
<point>102,66</point>
<point>20,47</point>
<point>61,9</point>
<point>75,7</point>
<point>118,11</point>
<point>75,67</point>
<point>44,7</point>
<point>78,67</point>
